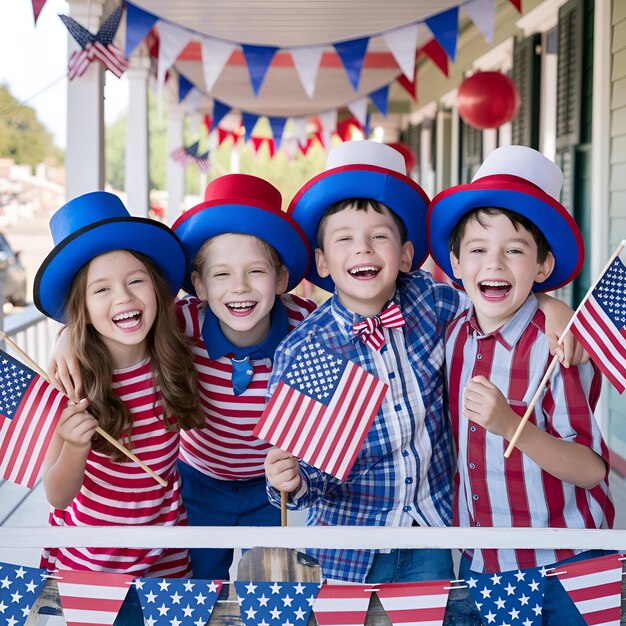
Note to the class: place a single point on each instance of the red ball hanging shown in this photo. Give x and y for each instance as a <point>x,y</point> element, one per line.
<point>488,100</point>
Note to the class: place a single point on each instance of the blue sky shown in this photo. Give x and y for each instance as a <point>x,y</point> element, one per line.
<point>33,57</point>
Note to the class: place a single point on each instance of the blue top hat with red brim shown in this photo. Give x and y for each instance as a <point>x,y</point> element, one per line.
<point>246,205</point>
<point>519,179</point>
<point>94,224</point>
<point>362,169</point>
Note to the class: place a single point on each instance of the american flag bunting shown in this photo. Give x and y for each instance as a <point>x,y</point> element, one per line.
<point>19,588</point>
<point>415,603</point>
<point>342,605</point>
<point>322,410</point>
<point>177,601</point>
<point>30,409</point>
<point>600,322</point>
<point>595,587</point>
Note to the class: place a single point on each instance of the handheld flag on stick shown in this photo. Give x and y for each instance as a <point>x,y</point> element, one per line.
<point>187,154</point>
<point>599,323</point>
<point>35,413</point>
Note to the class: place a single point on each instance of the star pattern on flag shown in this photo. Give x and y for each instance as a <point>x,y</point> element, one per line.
<point>276,603</point>
<point>177,601</point>
<point>610,292</point>
<point>512,598</point>
<point>19,588</point>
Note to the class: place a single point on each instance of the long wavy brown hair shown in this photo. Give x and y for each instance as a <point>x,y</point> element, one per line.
<point>170,359</point>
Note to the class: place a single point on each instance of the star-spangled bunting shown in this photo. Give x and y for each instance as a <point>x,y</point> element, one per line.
<point>595,587</point>
<point>91,597</point>
<point>30,409</point>
<point>509,597</point>
<point>177,601</point>
<point>600,322</point>
<point>99,46</point>
<point>322,409</point>
<point>275,603</point>
<point>19,588</point>
<point>189,154</point>
<point>415,603</point>
<point>342,605</point>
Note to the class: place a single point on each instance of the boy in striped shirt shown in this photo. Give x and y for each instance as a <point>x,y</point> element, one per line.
<point>509,237</point>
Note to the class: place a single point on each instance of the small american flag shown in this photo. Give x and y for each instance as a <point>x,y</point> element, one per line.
<point>30,409</point>
<point>322,410</point>
<point>187,154</point>
<point>415,603</point>
<point>600,322</point>
<point>99,46</point>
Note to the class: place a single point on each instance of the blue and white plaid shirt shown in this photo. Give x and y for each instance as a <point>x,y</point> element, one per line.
<point>404,471</point>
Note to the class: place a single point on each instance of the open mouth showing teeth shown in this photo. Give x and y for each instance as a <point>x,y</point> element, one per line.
<point>494,288</point>
<point>241,307</point>
<point>364,271</point>
<point>128,319</point>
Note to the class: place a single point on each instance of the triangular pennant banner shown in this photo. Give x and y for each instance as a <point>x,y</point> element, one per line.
<point>341,604</point>
<point>257,142</point>
<point>403,44</point>
<point>517,4</point>
<point>277,124</point>
<point>173,40</point>
<point>415,603</point>
<point>79,590</point>
<point>437,55</point>
<point>358,108</point>
<point>207,121</point>
<point>249,121</point>
<point>595,585</point>
<point>37,6</point>
<point>19,589</point>
<point>352,55</point>
<point>499,595</point>
<point>222,136</point>
<point>408,86</point>
<point>483,14</point>
<point>307,61</point>
<point>138,25</point>
<point>380,98</point>
<point>184,87</point>
<point>328,120</point>
<point>344,129</point>
<point>219,111</point>
<point>275,602</point>
<point>167,601</point>
<point>445,27</point>
<point>271,146</point>
<point>258,59</point>
<point>215,55</point>
<point>299,128</point>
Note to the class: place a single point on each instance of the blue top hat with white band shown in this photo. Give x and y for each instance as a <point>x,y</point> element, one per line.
<point>94,224</point>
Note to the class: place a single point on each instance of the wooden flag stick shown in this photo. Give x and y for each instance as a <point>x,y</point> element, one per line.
<point>99,430</point>
<point>283,508</point>
<point>555,359</point>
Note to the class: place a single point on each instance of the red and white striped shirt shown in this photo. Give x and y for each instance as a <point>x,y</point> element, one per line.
<point>516,492</point>
<point>115,493</point>
<point>225,448</point>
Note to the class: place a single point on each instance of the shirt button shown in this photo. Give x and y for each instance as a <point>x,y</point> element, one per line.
<point>479,356</point>
<point>472,466</point>
<point>406,509</point>
<point>392,374</point>
<point>405,453</point>
<point>475,496</point>
<point>408,480</point>
<point>472,428</point>
<point>397,407</point>
<point>477,523</point>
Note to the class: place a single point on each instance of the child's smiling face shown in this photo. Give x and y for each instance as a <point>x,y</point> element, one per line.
<point>363,254</point>
<point>239,280</point>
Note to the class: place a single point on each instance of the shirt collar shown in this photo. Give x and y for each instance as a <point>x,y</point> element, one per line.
<point>218,345</point>
<point>508,334</point>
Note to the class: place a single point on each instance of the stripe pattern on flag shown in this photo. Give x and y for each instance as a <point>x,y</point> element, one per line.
<point>595,587</point>
<point>422,603</point>
<point>322,409</point>
<point>600,324</point>
<point>91,598</point>
<point>30,409</point>
<point>342,605</point>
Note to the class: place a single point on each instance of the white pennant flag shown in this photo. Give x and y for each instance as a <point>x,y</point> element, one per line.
<point>402,43</point>
<point>299,128</point>
<point>215,55</point>
<point>328,120</point>
<point>307,62</point>
<point>483,14</point>
<point>358,108</point>
<point>193,101</point>
<point>172,41</point>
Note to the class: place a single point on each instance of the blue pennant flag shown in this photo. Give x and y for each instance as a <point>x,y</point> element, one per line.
<point>352,55</point>
<point>509,597</point>
<point>184,87</point>
<point>19,588</point>
<point>277,124</point>
<point>180,601</point>
<point>263,603</point>
<point>249,121</point>
<point>445,27</point>
<point>258,60</point>
<point>220,110</point>
<point>380,98</point>
<point>138,25</point>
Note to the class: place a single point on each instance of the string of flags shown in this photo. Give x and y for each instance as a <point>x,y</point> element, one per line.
<point>95,598</point>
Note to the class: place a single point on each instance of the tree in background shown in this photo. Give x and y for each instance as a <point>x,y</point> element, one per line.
<point>22,137</point>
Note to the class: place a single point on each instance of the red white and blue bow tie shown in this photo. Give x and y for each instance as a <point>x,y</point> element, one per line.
<point>370,330</point>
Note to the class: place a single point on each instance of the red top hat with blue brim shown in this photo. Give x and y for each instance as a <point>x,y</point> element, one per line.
<point>94,224</point>
<point>246,205</point>
<point>522,180</point>
<point>362,169</point>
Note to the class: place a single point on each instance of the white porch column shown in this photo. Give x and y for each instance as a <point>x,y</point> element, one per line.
<point>136,179</point>
<point>84,153</point>
<point>174,173</point>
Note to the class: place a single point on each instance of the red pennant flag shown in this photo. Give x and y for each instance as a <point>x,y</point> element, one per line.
<point>272,147</point>
<point>338,605</point>
<point>304,147</point>
<point>437,55</point>
<point>207,123</point>
<point>343,129</point>
<point>92,597</point>
<point>37,6</point>
<point>222,136</point>
<point>517,4</point>
<point>256,143</point>
<point>409,86</point>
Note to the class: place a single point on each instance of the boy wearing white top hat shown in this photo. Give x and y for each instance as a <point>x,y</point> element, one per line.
<point>365,220</point>
<point>504,237</point>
